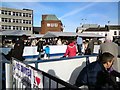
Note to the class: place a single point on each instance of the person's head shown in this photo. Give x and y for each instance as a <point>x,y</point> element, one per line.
<point>107,59</point>
<point>24,37</point>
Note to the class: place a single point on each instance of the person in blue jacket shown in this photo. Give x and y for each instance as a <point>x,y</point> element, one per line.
<point>47,51</point>
<point>98,75</point>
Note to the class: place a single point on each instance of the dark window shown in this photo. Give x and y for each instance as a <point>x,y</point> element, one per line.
<point>2,26</point>
<point>2,12</point>
<point>13,13</point>
<point>119,32</point>
<point>9,12</point>
<point>19,14</point>
<point>29,15</point>
<point>115,33</point>
<point>23,14</point>
<point>30,28</point>
<point>16,13</point>
<point>2,19</point>
<point>13,27</point>
<point>5,19</point>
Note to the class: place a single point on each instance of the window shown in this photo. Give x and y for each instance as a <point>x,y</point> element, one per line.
<point>9,12</point>
<point>119,32</point>
<point>14,20</point>
<point>23,14</point>
<point>29,21</point>
<point>26,14</point>
<point>115,33</point>
<point>26,21</point>
<point>2,19</point>
<point>56,25</point>
<point>2,11</point>
<point>30,28</point>
<point>5,19</point>
<point>52,24</point>
<point>9,27</point>
<point>17,14</point>
<point>20,14</point>
<point>23,21</point>
<point>30,15</point>
<point>13,27</point>
<point>26,28</point>
<point>5,12</point>
<point>23,28</point>
<point>48,24</point>
<point>19,21</point>
<point>9,20</point>
<point>2,26</point>
<point>13,13</point>
<point>5,26</point>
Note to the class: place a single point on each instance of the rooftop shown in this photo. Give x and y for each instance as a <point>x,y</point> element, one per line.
<point>51,17</point>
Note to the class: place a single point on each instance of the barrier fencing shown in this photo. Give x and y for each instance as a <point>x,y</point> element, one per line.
<point>26,77</point>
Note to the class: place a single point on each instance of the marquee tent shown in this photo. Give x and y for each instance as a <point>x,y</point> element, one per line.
<point>14,32</point>
<point>71,34</point>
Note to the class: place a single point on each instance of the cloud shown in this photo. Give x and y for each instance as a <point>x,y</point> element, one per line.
<point>77,10</point>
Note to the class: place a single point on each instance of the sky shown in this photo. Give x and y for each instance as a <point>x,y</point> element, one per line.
<point>72,13</point>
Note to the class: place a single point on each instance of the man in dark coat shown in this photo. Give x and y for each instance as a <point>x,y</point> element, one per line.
<point>17,51</point>
<point>98,75</point>
<point>39,48</point>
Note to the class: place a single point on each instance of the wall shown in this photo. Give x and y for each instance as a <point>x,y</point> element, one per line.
<point>65,69</point>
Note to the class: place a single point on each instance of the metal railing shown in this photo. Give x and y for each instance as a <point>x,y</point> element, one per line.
<point>49,82</point>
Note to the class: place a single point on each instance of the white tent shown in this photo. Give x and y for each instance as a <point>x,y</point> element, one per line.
<point>58,34</point>
<point>91,35</point>
<point>70,34</point>
<point>36,36</point>
<point>14,32</point>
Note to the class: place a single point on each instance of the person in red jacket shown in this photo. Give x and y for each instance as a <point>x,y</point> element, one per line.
<point>71,49</point>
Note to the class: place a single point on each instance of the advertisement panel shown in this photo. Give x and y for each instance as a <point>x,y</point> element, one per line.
<point>26,76</point>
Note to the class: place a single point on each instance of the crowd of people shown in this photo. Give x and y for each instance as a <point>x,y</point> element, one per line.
<point>96,75</point>
<point>75,46</point>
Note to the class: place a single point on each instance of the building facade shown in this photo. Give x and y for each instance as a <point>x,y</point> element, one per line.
<point>50,23</point>
<point>109,31</point>
<point>16,19</point>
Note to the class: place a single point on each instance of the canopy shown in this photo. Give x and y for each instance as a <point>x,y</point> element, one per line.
<point>91,35</point>
<point>14,32</point>
<point>58,34</point>
<point>70,34</point>
<point>36,36</point>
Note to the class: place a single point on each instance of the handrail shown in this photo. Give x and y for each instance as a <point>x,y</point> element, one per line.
<point>67,85</point>
<point>53,78</point>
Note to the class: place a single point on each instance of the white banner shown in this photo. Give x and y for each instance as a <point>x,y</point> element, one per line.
<point>38,80</point>
<point>26,76</point>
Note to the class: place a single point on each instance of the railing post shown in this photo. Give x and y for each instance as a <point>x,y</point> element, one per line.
<point>9,76</point>
<point>87,60</point>
<point>0,74</point>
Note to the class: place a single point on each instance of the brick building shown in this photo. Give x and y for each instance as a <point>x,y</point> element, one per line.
<point>50,23</point>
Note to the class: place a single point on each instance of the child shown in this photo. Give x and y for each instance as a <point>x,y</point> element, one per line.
<point>47,52</point>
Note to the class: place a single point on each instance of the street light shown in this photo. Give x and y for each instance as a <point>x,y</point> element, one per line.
<point>108,22</point>
<point>83,20</point>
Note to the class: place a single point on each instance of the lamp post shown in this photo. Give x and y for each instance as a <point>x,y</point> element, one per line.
<point>83,19</point>
<point>108,22</point>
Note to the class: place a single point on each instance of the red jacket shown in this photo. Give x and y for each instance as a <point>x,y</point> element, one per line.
<point>71,50</point>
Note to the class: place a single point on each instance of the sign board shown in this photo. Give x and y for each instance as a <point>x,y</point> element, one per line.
<point>26,76</point>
